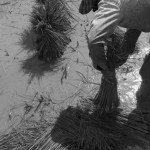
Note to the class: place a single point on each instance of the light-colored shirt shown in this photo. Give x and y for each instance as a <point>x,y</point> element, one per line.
<point>135,14</point>
<point>132,14</point>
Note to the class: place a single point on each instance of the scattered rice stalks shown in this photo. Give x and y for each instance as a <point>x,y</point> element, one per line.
<point>107,98</point>
<point>76,128</point>
<point>24,136</point>
<point>51,22</point>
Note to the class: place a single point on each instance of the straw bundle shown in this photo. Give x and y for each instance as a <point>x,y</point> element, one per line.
<point>51,22</point>
<point>76,129</point>
<point>23,136</point>
<point>107,98</point>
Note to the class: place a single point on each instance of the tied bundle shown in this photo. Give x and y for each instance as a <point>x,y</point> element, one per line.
<point>51,21</point>
<point>107,98</point>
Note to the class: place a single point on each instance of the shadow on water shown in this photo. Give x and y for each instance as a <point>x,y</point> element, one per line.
<point>36,68</point>
<point>27,40</point>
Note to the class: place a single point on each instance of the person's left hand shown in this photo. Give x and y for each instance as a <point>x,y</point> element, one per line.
<point>99,68</point>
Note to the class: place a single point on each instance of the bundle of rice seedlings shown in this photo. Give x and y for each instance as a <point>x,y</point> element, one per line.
<point>76,129</point>
<point>51,22</point>
<point>107,97</point>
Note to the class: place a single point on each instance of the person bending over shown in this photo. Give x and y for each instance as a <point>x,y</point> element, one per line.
<point>134,15</point>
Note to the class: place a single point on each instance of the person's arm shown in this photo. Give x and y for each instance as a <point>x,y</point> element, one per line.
<point>129,40</point>
<point>128,44</point>
<point>105,21</point>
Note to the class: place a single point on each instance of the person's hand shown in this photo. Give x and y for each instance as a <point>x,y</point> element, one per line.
<point>98,67</point>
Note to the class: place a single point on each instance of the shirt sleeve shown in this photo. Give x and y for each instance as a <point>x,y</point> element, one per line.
<point>105,21</point>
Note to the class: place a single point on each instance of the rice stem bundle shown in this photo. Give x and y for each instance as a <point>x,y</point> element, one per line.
<point>51,22</point>
<point>107,98</point>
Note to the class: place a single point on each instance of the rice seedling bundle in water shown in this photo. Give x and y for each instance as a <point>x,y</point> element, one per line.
<point>76,129</point>
<point>107,97</point>
<point>51,22</point>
